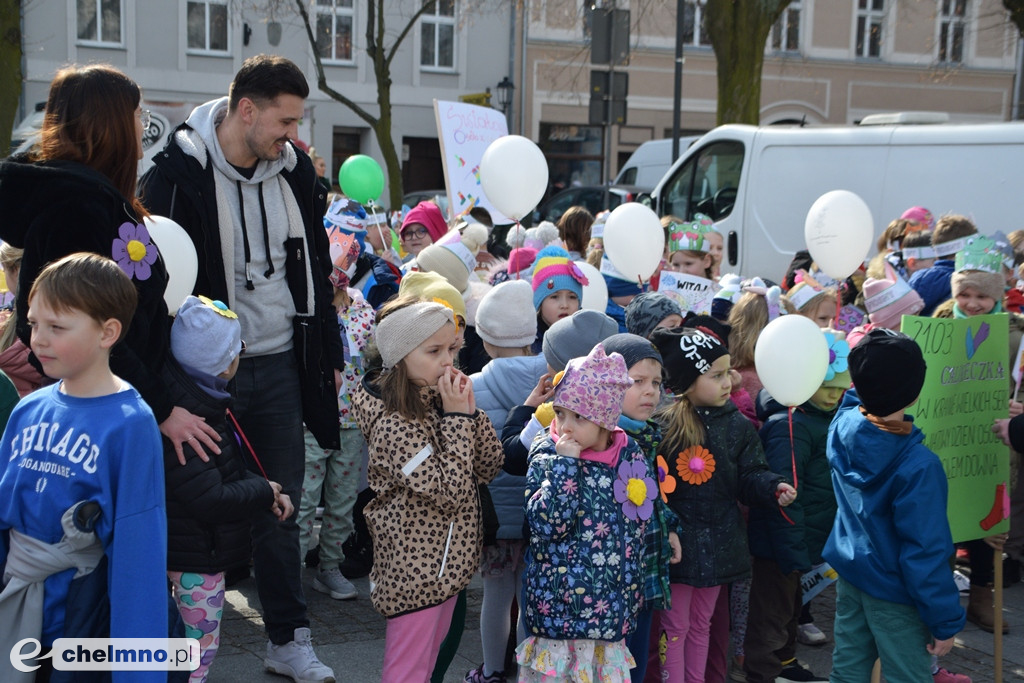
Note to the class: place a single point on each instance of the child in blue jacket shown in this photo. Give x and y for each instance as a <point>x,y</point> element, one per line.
<point>891,542</point>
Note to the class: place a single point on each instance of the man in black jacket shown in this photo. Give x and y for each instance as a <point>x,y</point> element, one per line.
<point>251,204</point>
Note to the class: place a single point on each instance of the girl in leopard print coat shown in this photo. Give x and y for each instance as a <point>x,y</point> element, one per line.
<point>430,448</point>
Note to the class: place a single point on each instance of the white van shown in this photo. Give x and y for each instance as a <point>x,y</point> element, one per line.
<point>648,163</point>
<point>758,183</point>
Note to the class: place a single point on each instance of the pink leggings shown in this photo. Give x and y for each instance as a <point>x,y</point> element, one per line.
<point>412,641</point>
<point>687,626</point>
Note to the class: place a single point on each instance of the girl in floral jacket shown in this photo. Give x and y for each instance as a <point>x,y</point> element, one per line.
<point>590,493</point>
<point>716,458</point>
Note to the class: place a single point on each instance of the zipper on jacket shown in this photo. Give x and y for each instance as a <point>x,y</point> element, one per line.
<point>447,547</point>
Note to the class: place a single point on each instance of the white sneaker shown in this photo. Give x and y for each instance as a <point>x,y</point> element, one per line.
<point>962,581</point>
<point>809,634</point>
<point>334,584</point>
<point>297,660</point>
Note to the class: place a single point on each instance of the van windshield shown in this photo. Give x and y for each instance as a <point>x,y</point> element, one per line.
<point>706,183</point>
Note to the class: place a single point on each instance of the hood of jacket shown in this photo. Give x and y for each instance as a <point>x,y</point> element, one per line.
<point>199,137</point>
<point>508,382</point>
<point>26,186</point>
<point>861,454</point>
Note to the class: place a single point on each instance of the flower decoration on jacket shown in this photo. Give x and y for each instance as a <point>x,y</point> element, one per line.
<point>695,465</point>
<point>134,251</point>
<point>218,306</point>
<point>455,316</point>
<point>666,482</point>
<point>838,353</point>
<point>635,490</point>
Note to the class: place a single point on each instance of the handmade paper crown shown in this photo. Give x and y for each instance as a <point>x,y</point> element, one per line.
<point>690,236</point>
<point>980,253</point>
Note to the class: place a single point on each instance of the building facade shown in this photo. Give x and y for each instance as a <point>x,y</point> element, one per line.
<point>826,62</point>
<point>185,52</point>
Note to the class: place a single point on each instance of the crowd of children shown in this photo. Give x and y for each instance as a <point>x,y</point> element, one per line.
<point>618,477</point>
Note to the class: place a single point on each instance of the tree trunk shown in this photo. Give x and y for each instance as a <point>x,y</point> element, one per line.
<point>738,30</point>
<point>10,68</point>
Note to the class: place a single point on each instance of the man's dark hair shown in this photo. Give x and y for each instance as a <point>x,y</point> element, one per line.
<point>263,77</point>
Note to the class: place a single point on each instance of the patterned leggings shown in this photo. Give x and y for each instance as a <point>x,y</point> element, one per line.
<point>200,600</point>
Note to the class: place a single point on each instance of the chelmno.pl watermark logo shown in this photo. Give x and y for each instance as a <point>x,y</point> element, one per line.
<point>109,654</point>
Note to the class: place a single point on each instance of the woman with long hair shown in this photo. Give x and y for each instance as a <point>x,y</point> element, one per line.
<point>74,191</point>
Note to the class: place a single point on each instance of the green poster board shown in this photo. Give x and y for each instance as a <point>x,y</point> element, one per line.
<point>967,386</point>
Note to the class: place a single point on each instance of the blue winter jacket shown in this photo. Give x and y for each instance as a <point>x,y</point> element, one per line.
<point>584,571</point>
<point>933,284</point>
<point>891,538</point>
<point>503,384</point>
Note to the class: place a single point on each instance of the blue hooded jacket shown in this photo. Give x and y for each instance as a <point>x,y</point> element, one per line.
<point>890,538</point>
<point>503,384</point>
<point>933,284</point>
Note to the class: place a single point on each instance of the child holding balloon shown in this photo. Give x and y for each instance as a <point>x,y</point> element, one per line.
<point>715,459</point>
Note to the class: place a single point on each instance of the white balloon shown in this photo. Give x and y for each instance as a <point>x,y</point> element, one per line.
<point>634,240</point>
<point>595,292</point>
<point>791,357</point>
<point>838,232</point>
<point>514,175</point>
<point>179,255</point>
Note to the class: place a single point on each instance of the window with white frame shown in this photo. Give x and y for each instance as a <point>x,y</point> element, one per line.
<point>870,18</point>
<point>951,31</point>
<point>207,25</point>
<point>695,33</point>
<point>99,21</point>
<point>786,31</point>
<point>437,36</point>
<point>334,22</point>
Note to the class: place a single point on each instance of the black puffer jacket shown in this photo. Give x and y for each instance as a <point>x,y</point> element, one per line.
<point>55,208</point>
<point>712,532</point>
<point>209,505</point>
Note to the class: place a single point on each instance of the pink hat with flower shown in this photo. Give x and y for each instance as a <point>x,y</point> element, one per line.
<point>594,387</point>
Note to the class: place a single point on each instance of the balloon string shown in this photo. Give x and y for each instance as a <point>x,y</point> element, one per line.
<point>516,228</point>
<point>839,303</point>
<point>792,459</point>
<point>376,223</point>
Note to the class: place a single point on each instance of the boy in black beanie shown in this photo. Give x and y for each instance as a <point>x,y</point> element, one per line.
<point>891,493</point>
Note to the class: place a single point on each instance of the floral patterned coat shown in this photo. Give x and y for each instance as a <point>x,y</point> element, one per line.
<point>712,531</point>
<point>584,569</point>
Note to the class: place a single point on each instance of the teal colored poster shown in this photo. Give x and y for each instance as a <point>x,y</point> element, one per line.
<point>967,386</point>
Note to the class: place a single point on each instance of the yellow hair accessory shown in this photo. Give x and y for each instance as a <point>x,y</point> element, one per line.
<point>455,316</point>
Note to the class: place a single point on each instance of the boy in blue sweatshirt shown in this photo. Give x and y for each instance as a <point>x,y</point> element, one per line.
<point>91,439</point>
<point>891,542</point>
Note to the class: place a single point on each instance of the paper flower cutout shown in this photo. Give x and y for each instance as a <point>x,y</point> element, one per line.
<point>666,482</point>
<point>134,251</point>
<point>635,490</point>
<point>838,353</point>
<point>695,465</point>
<point>218,306</point>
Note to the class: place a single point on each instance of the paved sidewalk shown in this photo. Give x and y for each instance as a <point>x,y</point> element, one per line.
<point>349,636</point>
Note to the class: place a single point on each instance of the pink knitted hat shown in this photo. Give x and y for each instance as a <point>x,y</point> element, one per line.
<point>594,387</point>
<point>889,299</point>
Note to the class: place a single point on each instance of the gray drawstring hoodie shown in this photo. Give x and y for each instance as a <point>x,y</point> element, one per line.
<point>256,215</point>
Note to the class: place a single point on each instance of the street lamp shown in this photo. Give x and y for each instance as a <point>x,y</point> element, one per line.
<point>505,89</point>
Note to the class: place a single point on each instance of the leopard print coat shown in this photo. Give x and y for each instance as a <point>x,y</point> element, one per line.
<point>425,520</point>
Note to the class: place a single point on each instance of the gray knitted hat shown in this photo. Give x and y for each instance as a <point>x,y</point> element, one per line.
<point>575,336</point>
<point>506,317</point>
<point>405,329</point>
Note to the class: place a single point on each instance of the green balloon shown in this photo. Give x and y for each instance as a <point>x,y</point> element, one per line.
<point>361,178</point>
